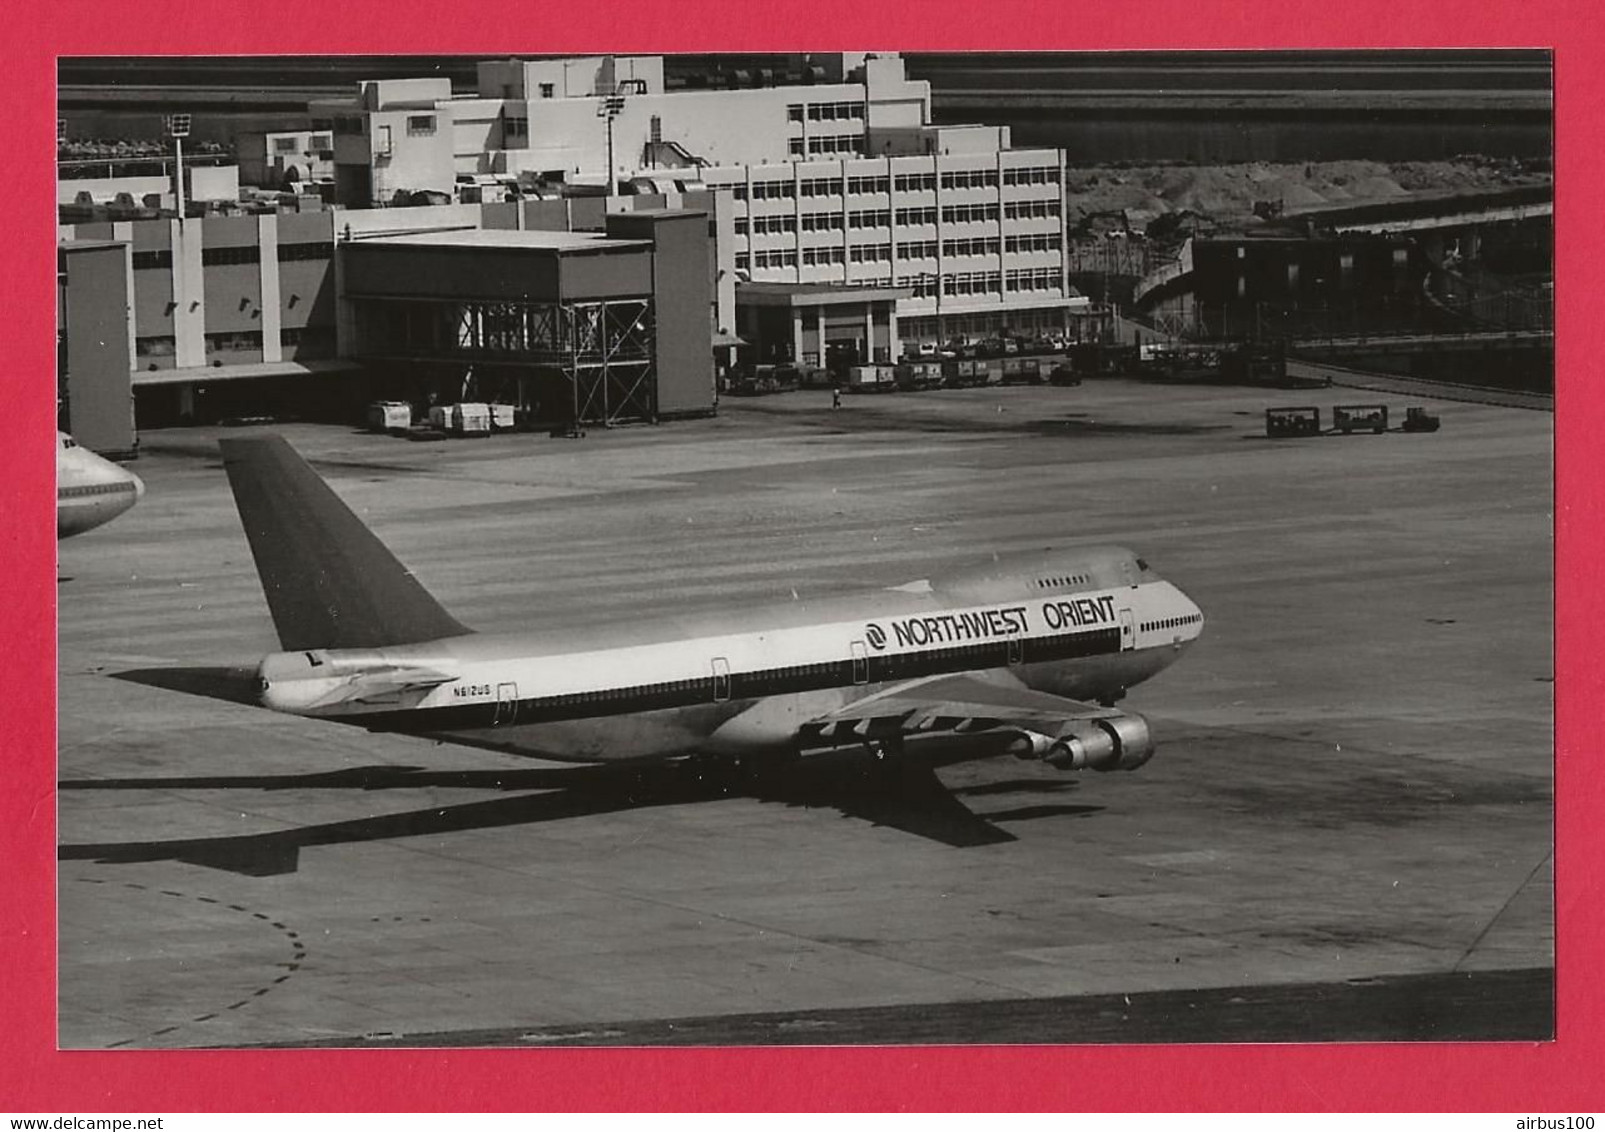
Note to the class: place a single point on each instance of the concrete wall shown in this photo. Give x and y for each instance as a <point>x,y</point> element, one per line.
<point>417,160</point>
<point>96,312</point>
<point>682,297</point>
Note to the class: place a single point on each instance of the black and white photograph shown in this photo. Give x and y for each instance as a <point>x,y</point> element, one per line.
<point>832,549</point>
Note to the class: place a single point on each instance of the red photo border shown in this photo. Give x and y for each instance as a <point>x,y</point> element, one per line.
<point>1563,1076</point>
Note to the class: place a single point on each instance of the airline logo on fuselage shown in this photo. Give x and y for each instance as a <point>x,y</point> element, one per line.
<point>993,624</point>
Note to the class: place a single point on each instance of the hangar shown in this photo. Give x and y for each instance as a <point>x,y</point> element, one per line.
<point>224,317</point>
<point>571,326</point>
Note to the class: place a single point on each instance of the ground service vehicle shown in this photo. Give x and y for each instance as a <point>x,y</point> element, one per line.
<point>1417,419</point>
<point>1302,421</point>
<point>1360,418</point>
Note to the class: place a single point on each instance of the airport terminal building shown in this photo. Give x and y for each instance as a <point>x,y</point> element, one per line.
<point>839,227</point>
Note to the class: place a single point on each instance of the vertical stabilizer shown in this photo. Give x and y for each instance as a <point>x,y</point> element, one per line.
<point>329,582</point>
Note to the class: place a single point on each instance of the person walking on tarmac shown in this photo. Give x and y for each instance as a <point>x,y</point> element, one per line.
<point>835,396</point>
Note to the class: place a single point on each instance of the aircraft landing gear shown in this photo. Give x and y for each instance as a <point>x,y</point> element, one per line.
<point>887,752</point>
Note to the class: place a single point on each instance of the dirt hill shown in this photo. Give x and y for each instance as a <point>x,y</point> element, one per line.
<point>1228,193</point>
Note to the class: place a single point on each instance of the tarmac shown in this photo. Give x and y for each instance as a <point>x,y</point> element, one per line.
<point>1350,808</point>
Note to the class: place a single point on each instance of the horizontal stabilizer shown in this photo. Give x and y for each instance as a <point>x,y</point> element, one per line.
<point>329,581</point>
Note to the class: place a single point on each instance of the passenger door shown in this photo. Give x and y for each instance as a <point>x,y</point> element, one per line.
<point>860,663</point>
<point>721,679</point>
<point>506,704</point>
<point>1128,630</point>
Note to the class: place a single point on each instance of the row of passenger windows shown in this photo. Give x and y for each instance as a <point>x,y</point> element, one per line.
<point>1172,622</point>
<point>1064,580</point>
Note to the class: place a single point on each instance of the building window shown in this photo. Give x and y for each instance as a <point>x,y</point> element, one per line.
<point>548,90</point>
<point>1029,209</point>
<point>420,125</point>
<point>156,346</point>
<point>972,213</point>
<point>285,145</point>
<point>216,257</point>
<point>304,251</point>
<point>970,247</point>
<point>743,261</point>
<point>231,340</point>
<point>350,126</point>
<point>795,147</point>
<point>514,129</point>
<point>308,341</point>
<point>970,179</point>
<point>741,225</point>
<point>144,261</point>
<point>1036,242</point>
<point>322,142</point>
<point>822,187</point>
<point>794,112</point>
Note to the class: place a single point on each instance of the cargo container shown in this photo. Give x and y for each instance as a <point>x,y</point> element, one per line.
<point>870,379</point>
<point>470,418</point>
<point>503,418</point>
<point>393,417</point>
<point>1293,421</point>
<point>1021,371</point>
<point>919,375</point>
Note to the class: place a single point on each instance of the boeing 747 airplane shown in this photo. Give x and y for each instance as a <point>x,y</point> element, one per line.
<point>1033,649</point>
<point>90,490</point>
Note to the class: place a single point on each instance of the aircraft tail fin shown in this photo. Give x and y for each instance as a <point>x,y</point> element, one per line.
<point>329,581</point>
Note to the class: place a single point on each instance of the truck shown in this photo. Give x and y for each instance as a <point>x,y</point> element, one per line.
<point>1417,419</point>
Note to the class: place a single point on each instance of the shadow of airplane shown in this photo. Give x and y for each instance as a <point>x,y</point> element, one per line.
<point>236,685</point>
<point>909,798</point>
<point>904,794</point>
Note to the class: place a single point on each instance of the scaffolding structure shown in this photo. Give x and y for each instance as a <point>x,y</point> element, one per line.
<point>602,349</point>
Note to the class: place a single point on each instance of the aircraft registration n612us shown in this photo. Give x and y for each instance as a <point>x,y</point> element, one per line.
<point>1032,649</point>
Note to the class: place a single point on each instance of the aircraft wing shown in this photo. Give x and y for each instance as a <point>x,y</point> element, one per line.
<point>1063,731</point>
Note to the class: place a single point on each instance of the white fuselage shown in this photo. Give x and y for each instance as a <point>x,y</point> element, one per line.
<point>746,682</point>
<point>90,490</point>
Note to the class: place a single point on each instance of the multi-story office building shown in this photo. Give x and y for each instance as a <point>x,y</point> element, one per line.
<point>891,229</point>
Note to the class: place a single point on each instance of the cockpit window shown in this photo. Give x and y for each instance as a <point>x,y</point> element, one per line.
<point>1142,564</point>
<point>68,442</point>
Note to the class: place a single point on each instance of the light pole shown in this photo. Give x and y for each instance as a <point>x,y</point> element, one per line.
<point>612,106</point>
<point>178,130</point>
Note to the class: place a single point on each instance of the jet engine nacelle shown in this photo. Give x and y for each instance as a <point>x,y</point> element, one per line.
<point>1122,742</point>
